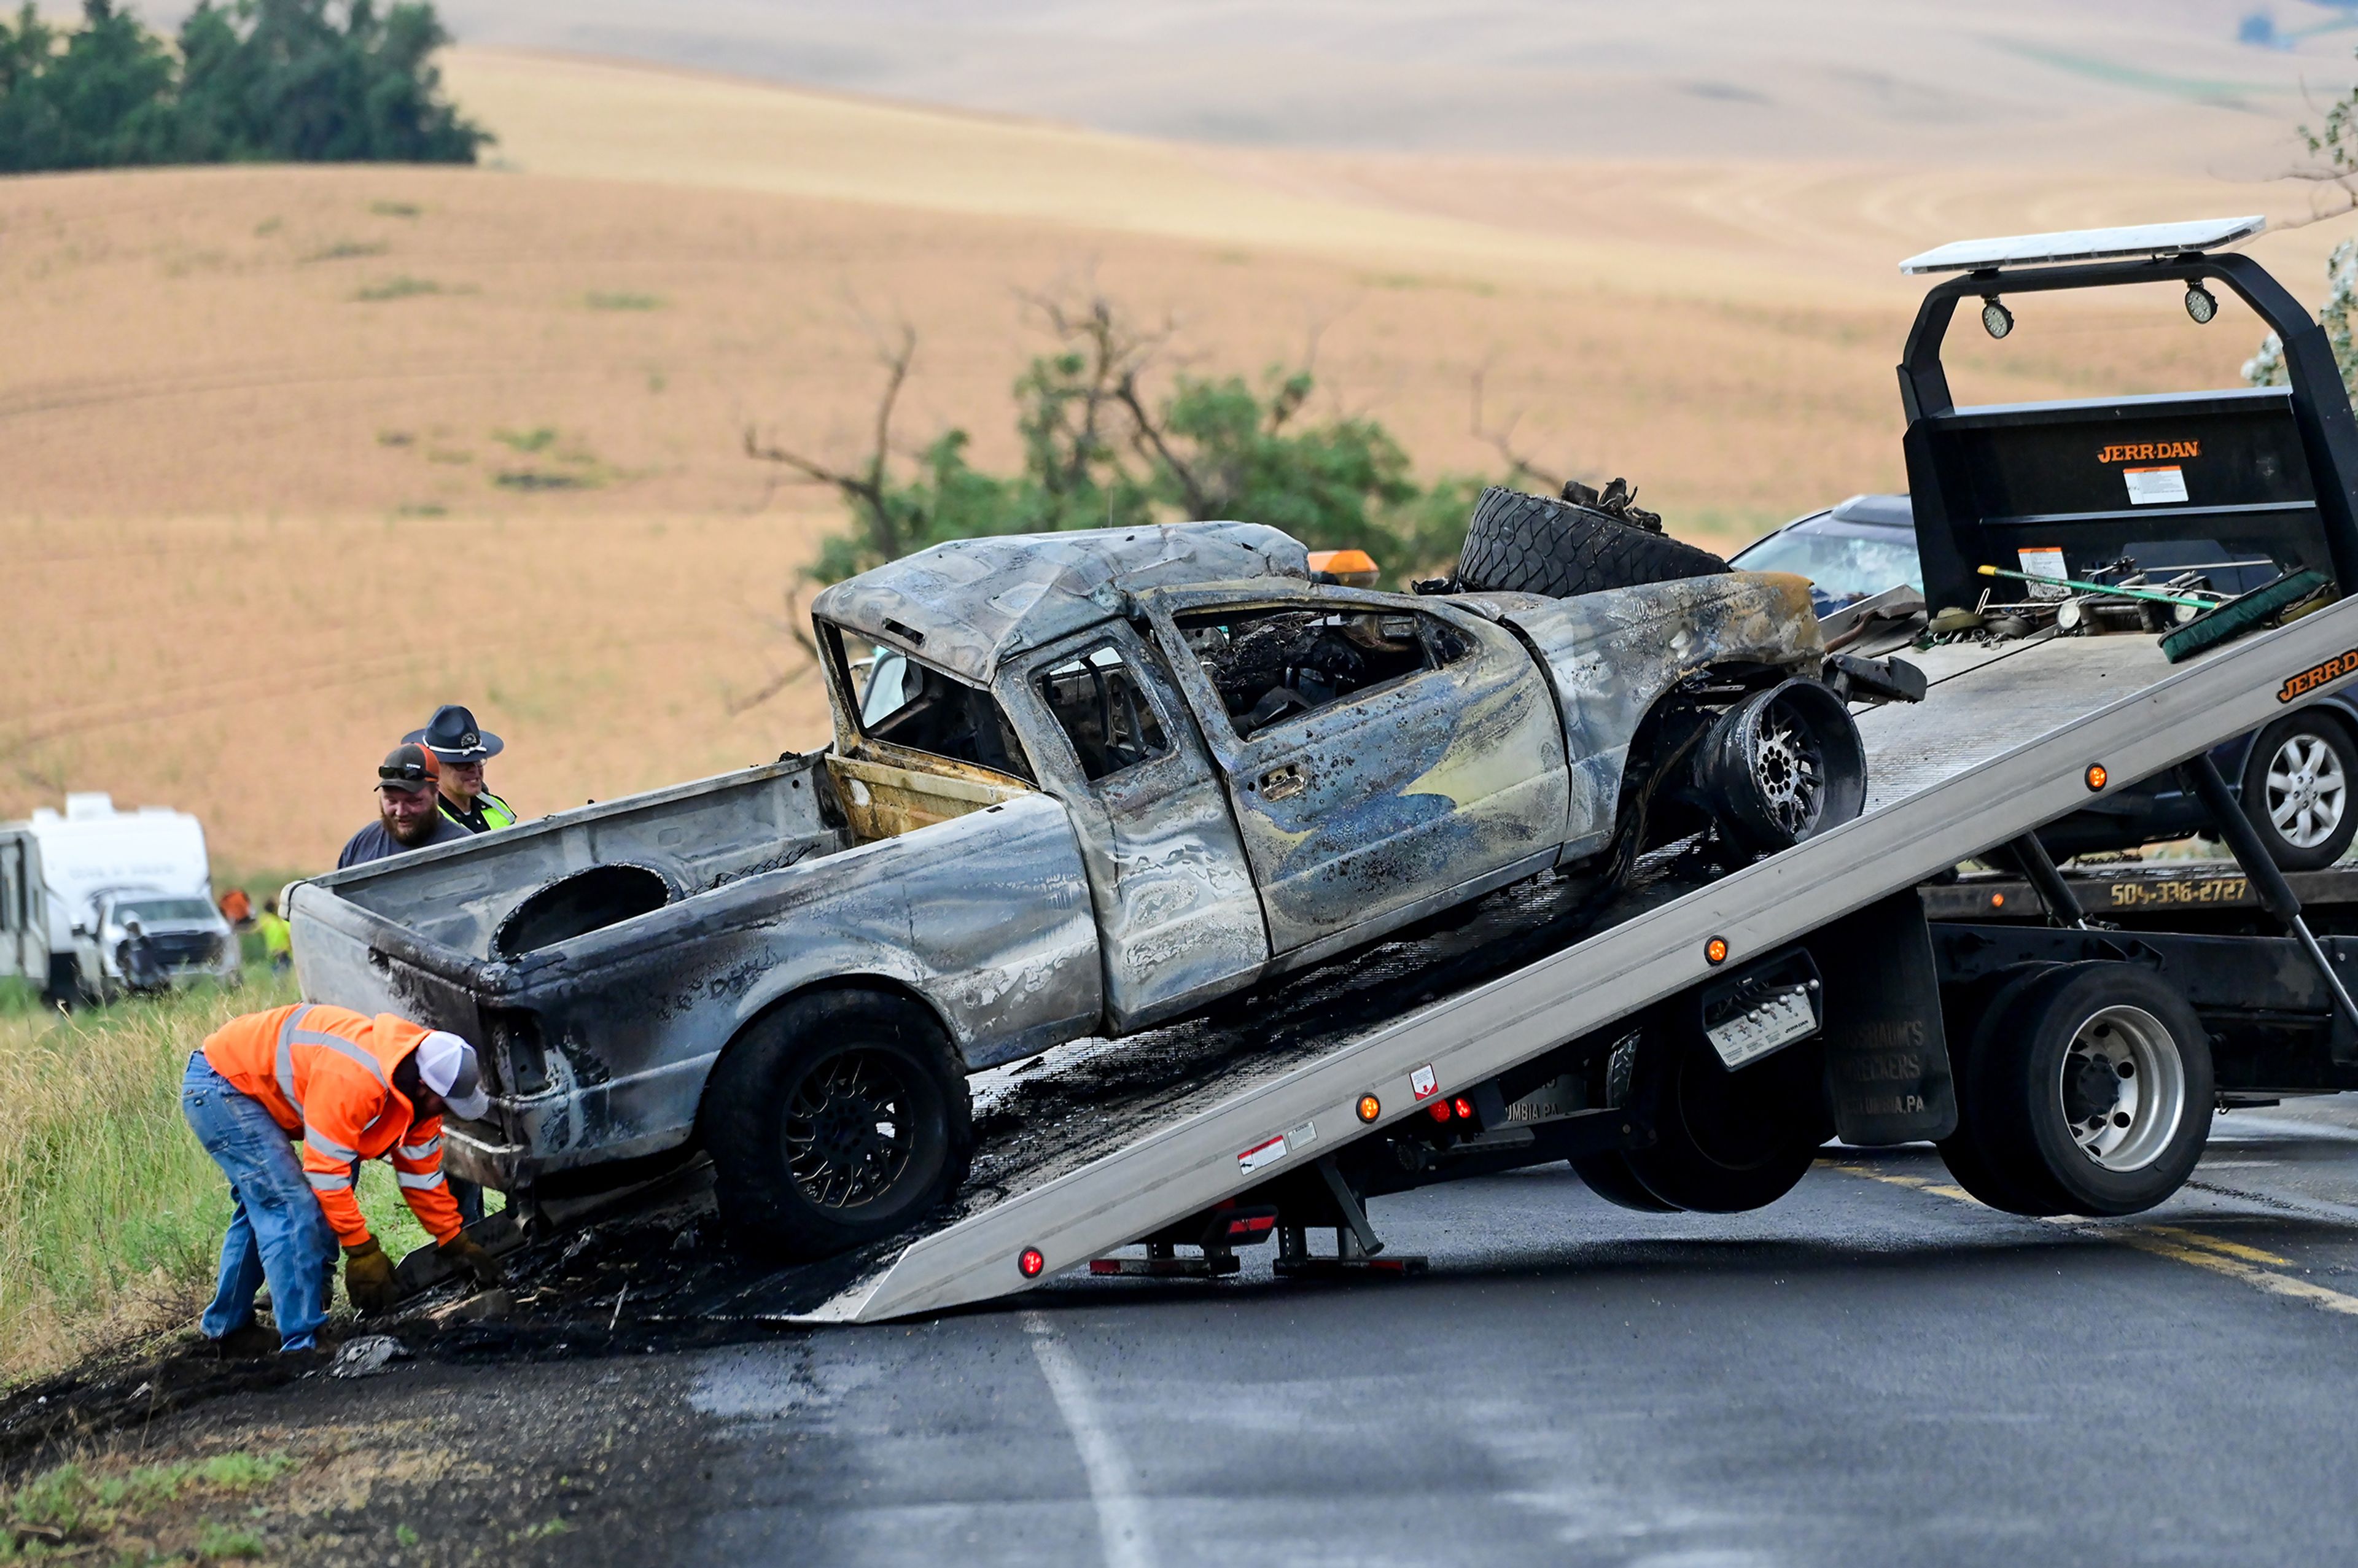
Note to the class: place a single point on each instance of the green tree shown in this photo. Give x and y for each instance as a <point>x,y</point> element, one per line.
<point>281,80</point>
<point>250,81</point>
<point>103,99</point>
<point>1100,451</point>
<point>2333,163</point>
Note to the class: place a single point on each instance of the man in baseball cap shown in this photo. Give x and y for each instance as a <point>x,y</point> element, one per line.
<point>463,746</point>
<point>288,1103</point>
<point>410,815</point>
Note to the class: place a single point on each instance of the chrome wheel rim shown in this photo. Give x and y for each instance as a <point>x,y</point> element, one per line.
<point>1788,770</point>
<point>2122,1086</point>
<point>2307,791</point>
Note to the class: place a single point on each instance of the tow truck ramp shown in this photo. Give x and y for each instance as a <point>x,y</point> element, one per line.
<point>2010,737</point>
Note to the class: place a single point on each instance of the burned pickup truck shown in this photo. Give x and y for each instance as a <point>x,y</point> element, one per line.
<point>1080,783</point>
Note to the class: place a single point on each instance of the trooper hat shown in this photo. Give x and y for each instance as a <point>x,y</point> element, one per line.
<point>446,1065</point>
<point>409,769</point>
<point>453,735</point>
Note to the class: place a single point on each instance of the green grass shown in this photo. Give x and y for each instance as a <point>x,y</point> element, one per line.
<point>539,438</point>
<point>396,209</point>
<point>580,470</point>
<point>598,301</point>
<point>348,250</point>
<point>114,1216</point>
<point>402,287</point>
<point>71,1511</point>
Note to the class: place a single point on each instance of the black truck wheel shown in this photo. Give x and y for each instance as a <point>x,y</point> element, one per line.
<point>1535,543</point>
<point>1973,1015</point>
<point>1782,765</point>
<point>1609,1176</point>
<point>2297,785</point>
<point>2095,1090</point>
<point>837,1118</point>
<point>1726,1142</point>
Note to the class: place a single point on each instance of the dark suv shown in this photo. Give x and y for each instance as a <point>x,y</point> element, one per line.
<point>2296,775</point>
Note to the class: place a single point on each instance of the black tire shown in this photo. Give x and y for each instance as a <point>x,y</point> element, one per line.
<point>1534,544</point>
<point>2298,789</point>
<point>1609,1176</point>
<point>1972,1016</point>
<point>1726,1142</point>
<point>836,1118</point>
<point>2096,1091</point>
<point>1782,765</point>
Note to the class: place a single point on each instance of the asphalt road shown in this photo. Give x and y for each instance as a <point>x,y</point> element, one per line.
<point>1875,1370</point>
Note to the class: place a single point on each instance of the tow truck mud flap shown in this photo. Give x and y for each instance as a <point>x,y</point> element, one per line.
<point>1887,1059</point>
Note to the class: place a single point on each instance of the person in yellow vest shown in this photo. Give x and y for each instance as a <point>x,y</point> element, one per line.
<point>463,746</point>
<point>277,941</point>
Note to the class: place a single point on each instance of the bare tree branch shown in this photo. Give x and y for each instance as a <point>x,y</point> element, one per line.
<point>1148,438</point>
<point>865,488</point>
<point>1519,466</point>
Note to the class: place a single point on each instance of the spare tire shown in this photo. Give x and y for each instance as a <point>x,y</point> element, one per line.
<point>1535,543</point>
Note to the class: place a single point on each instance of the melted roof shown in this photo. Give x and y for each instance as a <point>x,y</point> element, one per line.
<point>977,601</point>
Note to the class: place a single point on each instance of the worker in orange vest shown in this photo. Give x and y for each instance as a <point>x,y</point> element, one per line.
<point>350,1087</point>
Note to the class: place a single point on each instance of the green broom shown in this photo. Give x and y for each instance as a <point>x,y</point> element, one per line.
<point>2240,614</point>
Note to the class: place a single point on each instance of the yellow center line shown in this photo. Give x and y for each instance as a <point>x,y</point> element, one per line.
<point>2231,1259</point>
<point>2259,1279</point>
<point>2214,1244</point>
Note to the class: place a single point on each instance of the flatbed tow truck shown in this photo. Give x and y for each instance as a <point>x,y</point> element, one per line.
<point>2064,1037</point>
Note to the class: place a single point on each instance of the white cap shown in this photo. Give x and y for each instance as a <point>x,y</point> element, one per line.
<point>446,1065</point>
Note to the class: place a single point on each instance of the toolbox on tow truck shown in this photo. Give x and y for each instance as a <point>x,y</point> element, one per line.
<point>1691,1043</point>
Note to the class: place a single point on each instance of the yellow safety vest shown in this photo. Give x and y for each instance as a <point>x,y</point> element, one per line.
<point>497,813</point>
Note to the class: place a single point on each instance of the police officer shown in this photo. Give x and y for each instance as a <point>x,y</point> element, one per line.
<point>463,746</point>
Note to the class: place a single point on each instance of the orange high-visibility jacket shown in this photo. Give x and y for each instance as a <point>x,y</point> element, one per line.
<point>326,1074</point>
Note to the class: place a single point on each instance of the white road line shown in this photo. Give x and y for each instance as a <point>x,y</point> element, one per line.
<point>1121,1513</point>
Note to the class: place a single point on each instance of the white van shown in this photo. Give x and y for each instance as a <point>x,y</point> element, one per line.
<point>73,883</point>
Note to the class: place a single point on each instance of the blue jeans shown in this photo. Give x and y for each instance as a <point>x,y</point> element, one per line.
<point>278,1232</point>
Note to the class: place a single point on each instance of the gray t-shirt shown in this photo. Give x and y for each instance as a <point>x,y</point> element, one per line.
<point>374,843</point>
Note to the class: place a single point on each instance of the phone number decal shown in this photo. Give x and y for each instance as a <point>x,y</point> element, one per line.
<point>2223,890</point>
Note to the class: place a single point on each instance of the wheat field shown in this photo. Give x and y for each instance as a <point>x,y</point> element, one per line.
<point>291,455</point>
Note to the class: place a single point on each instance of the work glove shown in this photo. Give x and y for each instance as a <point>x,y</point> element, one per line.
<point>467,1257</point>
<point>367,1277</point>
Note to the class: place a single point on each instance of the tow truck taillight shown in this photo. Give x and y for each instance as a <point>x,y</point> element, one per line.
<point>1029,1263</point>
<point>1464,1108</point>
<point>1439,1110</point>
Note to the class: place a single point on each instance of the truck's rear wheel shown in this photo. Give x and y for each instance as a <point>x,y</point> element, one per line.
<point>1535,543</point>
<point>2095,1090</point>
<point>1609,1176</point>
<point>1726,1142</point>
<point>1975,1015</point>
<point>840,1118</point>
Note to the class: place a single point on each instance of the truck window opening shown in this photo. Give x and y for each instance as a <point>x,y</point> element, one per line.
<point>159,910</point>
<point>1110,723</point>
<point>926,710</point>
<point>1272,666</point>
